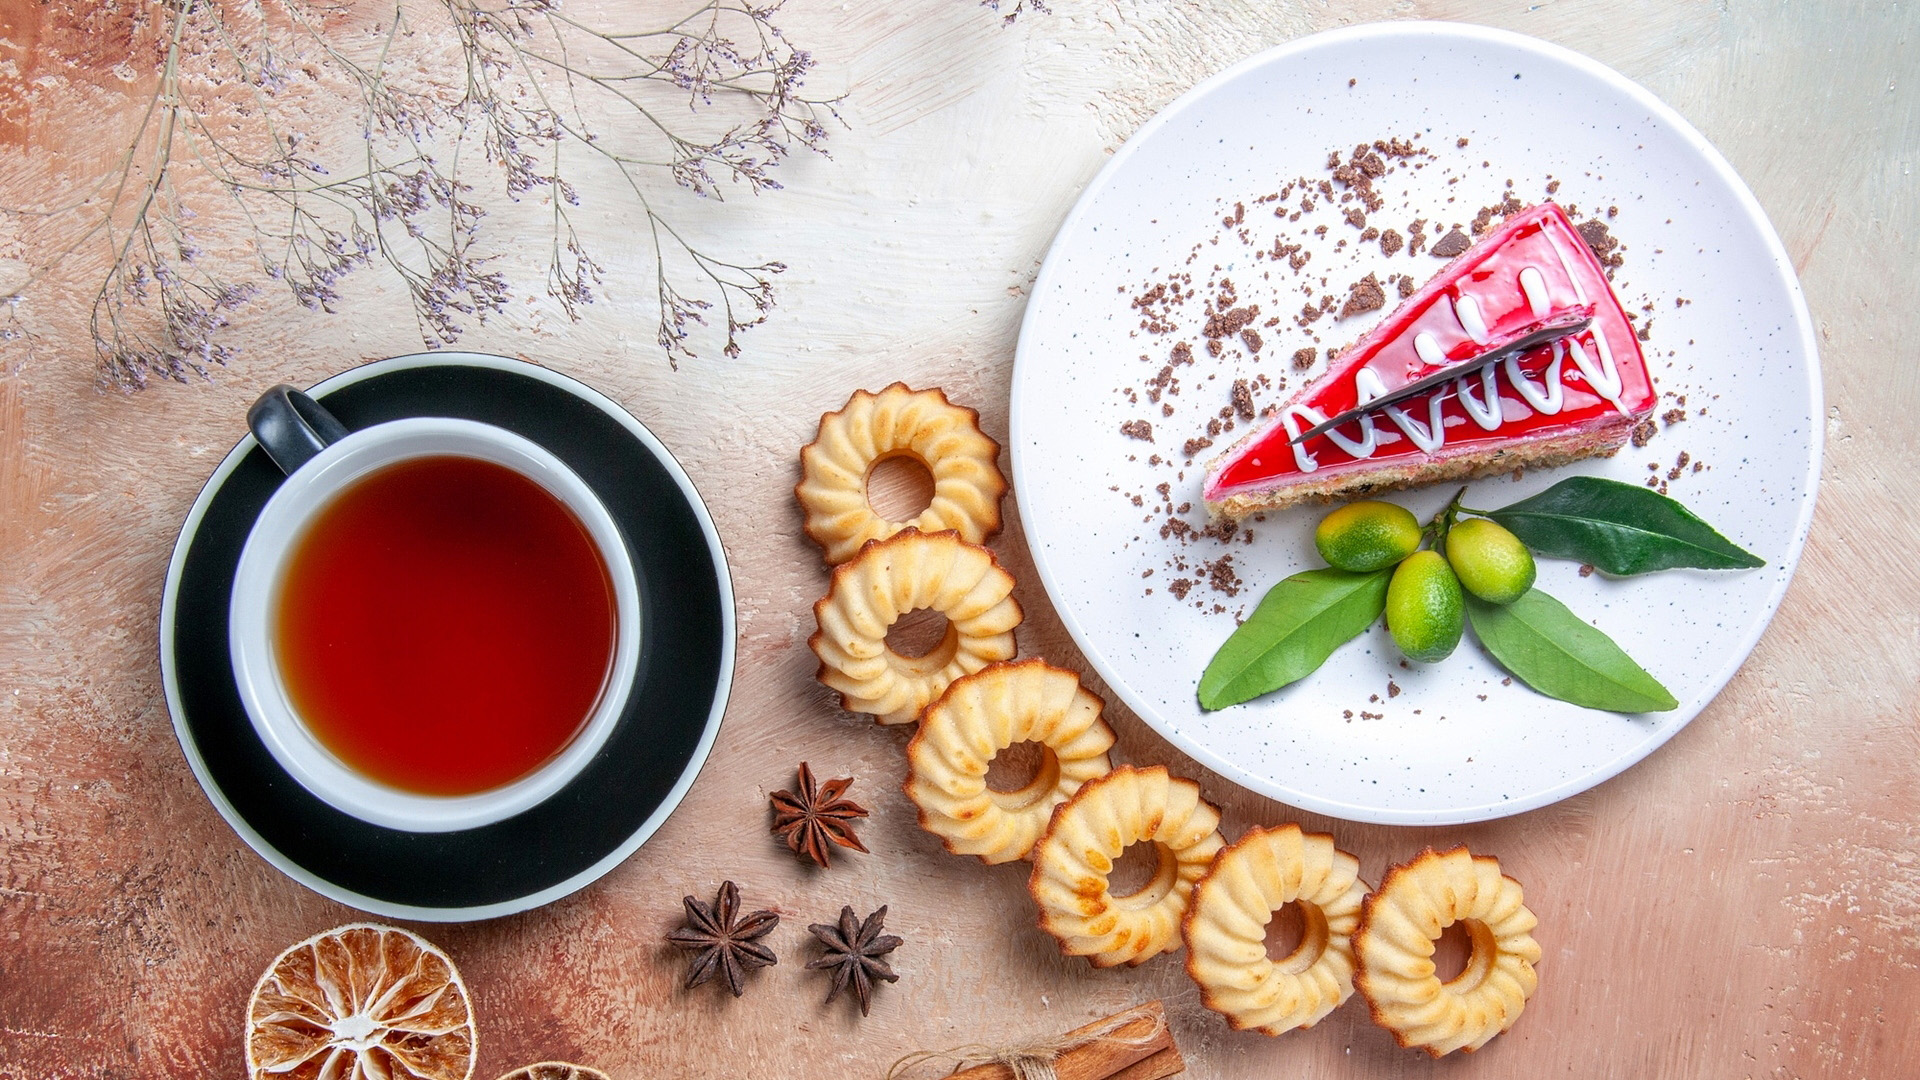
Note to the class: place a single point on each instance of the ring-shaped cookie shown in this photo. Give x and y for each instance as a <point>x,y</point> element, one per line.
<point>1089,831</point>
<point>909,571</point>
<point>898,422</point>
<point>1226,928</point>
<point>980,716</point>
<point>1393,951</point>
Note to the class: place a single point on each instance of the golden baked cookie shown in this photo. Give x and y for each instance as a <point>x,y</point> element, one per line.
<point>898,422</point>
<point>1393,951</point>
<point>983,714</point>
<point>1226,929</point>
<point>1089,831</point>
<point>906,572</point>
<point>555,1070</point>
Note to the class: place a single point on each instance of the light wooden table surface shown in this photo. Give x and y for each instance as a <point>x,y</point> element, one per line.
<point>1745,903</point>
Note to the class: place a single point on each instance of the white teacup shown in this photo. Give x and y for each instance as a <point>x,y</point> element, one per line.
<point>322,459</point>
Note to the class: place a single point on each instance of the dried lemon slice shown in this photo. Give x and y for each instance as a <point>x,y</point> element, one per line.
<point>1226,927</point>
<point>1089,831</point>
<point>909,571</point>
<point>360,1002</point>
<point>555,1070</point>
<point>898,422</point>
<point>1393,951</point>
<point>983,714</point>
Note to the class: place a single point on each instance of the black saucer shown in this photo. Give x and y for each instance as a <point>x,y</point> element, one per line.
<point>679,691</point>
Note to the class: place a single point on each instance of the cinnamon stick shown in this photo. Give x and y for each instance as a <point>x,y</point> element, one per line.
<point>1158,1067</point>
<point>1114,1056</point>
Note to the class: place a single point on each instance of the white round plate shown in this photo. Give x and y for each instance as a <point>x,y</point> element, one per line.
<point>1452,742</point>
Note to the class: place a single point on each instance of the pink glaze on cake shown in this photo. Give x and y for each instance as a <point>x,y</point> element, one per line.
<point>1574,397</point>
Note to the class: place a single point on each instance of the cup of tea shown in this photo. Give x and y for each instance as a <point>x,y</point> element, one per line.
<point>435,623</point>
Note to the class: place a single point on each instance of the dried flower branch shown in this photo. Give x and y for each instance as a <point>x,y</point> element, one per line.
<point>710,100</point>
<point>1013,13</point>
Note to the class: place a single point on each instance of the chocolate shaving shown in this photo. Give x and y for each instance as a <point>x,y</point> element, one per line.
<point>1454,243</point>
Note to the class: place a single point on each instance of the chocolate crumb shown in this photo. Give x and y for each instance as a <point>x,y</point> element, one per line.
<point>1242,399</point>
<point>1251,339</point>
<point>1230,322</point>
<point>1454,243</point>
<point>1356,219</point>
<point>1220,575</point>
<point>1643,432</point>
<point>1404,283</point>
<point>1460,142</point>
<point>1393,689</point>
<point>1597,236</point>
<point>1391,242</point>
<point>1365,295</point>
<point>1182,353</point>
<point>1137,429</point>
<point>1303,358</point>
<point>1586,569</point>
<point>1180,587</point>
<point>1673,416</point>
<point>1195,445</point>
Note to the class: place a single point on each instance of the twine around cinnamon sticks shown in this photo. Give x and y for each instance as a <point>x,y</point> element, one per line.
<point>1131,1045</point>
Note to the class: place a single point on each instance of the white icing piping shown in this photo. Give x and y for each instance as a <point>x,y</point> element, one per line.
<point>1485,410</point>
<point>1361,448</point>
<point>1605,379</point>
<point>1428,349</point>
<point>1534,284</point>
<point>1579,293</point>
<point>1467,310</point>
<point>1428,437</point>
<point>1546,399</point>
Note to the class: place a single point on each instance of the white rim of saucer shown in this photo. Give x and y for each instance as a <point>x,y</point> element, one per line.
<point>264,693</point>
<point>1748,204</point>
<point>670,802</point>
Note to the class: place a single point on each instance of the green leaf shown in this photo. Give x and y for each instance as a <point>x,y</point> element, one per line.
<point>1550,649</point>
<point>1296,627</point>
<point>1620,528</point>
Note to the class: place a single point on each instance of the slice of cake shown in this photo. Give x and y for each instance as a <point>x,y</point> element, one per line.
<point>1567,381</point>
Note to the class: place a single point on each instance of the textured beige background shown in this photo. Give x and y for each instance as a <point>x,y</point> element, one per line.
<point>1744,903</point>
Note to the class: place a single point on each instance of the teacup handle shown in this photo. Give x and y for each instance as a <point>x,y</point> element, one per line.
<point>292,427</point>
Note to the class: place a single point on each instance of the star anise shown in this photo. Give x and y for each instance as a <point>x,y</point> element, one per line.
<point>726,944</point>
<point>817,816</point>
<point>854,949</point>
